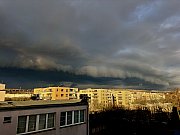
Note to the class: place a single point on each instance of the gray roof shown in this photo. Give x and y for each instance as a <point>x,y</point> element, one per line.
<point>38,104</point>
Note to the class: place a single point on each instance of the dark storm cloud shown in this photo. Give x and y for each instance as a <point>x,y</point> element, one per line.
<point>98,38</point>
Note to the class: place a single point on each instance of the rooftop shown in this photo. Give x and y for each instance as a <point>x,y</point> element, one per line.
<point>14,105</point>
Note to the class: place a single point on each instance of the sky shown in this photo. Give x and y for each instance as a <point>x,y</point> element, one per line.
<point>93,43</point>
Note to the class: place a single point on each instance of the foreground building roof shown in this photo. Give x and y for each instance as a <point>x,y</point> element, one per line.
<point>14,105</point>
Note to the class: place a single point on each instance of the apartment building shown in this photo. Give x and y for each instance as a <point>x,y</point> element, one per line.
<point>18,94</point>
<point>68,117</point>
<point>122,97</point>
<point>147,95</point>
<point>128,98</point>
<point>56,93</point>
<point>2,86</point>
<point>2,91</point>
<point>99,98</point>
<point>19,91</point>
<point>2,95</point>
<point>103,98</point>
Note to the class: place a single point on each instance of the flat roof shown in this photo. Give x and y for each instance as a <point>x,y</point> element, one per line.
<point>14,105</point>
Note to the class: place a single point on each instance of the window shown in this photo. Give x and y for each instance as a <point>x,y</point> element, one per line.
<point>7,120</point>
<point>32,123</point>
<point>21,124</point>
<point>72,117</point>
<point>62,95</point>
<point>66,95</point>
<point>76,116</point>
<point>61,89</point>
<point>66,90</point>
<point>69,117</point>
<point>50,123</point>
<point>82,115</point>
<point>63,119</point>
<point>71,90</point>
<point>42,121</point>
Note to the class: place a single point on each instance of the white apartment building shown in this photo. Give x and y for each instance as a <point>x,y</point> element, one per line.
<point>68,117</point>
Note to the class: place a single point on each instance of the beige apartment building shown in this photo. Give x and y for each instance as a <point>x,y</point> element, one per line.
<point>2,86</point>
<point>18,94</point>
<point>103,98</point>
<point>2,91</point>
<point>99,98</point>
<point>56,93</point>
<point>146,95</point>
<point>12,96</point>
<point>19,91</point>
<point>122,97</point>
<point>128,98</point>
<point>2,95</point>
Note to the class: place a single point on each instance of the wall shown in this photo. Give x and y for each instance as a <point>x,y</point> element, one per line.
<point>80,129</point>
<point>2,95</point>
<point>56,93</point>
<point>18,95</point>
<point>2,86</point>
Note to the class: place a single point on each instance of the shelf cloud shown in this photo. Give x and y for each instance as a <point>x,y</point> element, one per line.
<point>98,38</point>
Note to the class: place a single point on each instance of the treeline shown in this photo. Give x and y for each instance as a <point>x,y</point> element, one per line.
<point>120,121</point>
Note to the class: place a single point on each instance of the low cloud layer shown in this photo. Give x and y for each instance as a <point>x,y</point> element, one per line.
<point>102,38</point>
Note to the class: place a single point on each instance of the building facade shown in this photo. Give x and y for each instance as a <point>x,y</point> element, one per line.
<point>44,118</point>
<point>2,91</point>
<point>128,98</point>
<point>99,98</point>
<point>2,86</point>
<point>56,93</point>
<point>122,97</point>
<point>2,95</point>
<point>19,91</point>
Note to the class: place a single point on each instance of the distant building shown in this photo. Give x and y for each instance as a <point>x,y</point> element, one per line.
<point>56,93</point>
<point>44,117</point>
<point>19,91</point>
<point>2,91</point>
<point>2,86</point>
<point>11,96</point>
<point>18,94</point>
<point>128,98</point>
<point>122,97</point>
<point>2,95</point>
<point>99,98</point>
